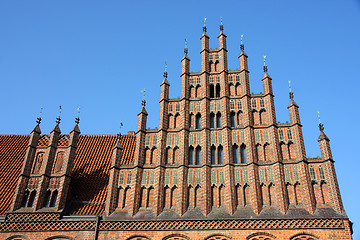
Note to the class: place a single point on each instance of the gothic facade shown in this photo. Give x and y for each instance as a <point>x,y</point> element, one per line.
<point>218,166</point>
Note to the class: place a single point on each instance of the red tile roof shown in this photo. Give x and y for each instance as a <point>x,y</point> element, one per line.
<point>90,172</point>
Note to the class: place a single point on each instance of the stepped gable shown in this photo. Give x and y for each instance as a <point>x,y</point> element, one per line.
<point>90,171</point>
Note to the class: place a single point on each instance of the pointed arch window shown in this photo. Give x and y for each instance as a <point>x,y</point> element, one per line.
<point>232,119</point>
<point>47,198</point>
<point>25,198</point>
<point>218,120</point>
<point>217,90</point>
<point>53,198</point>
<point>212,120</point>
<point>220,155</point>
<point>198,156</point>
<point>235,154</point>
<point>243,153</point>
<point>212,91</point>
<point>191,155</point>
<point>198,121</point>
<point>213,155</point>
<point>31,198</point>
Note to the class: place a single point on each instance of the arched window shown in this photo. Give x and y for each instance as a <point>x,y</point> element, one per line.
<point>149,199</point>
<point>212,91</point>
<point>218,120</point>
<point>191,121</point>
<point>243,153</point>
<point>213,155</point>
<point>198,121</point>
<point>31,198</point>
<point>220,155</point>
<point>53,198</point>
<point>212,120</point>
<point>47,198</point>
<point>198,156</point>
<point>217,90</point>
<point>25,198</point>
<point>235,154</point>
<point>232,119</point>
<point>191,155</point>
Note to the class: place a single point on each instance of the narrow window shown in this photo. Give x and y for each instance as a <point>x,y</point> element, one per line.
<point>232,119</point>
<point>217,90</point>
<point>198,121</point>
<point>147,141</point>
<point>289,134</point>
<point>191,121</point>
<point>31,198</point>
<point>254,103</point>
<point>281,134</point>
<point>237,78</point>
<point>198,80</point>
<point>218,120</point>
<point>262,105</point>
<point>25,199</point>
<point>47,198</point>
<point>239,105</point>
<point>213,155</point>
<point>178,107</point>
<point>191,155</point>
<point>312,173</point>
<point>212,120</point>
<point>230,78</point>
<point>191,80</point>
<point>211,79</point>
<point>235,154</point>
<point>220,155</point>
<point>243,153</point>
<point>198,156</point>
<point>53,198</point>
<point>322,175</point>
<point>170,107</point>
<point>212,90</point>
<point>232,105</point>
<point>191,107</point>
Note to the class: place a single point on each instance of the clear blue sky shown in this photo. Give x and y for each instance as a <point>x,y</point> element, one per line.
<point>100,54</point>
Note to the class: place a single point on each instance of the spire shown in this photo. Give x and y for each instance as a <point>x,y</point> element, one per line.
<point>221,28</point>
<point>165,81</point>
<point>321,128</point>
<point>291,96</point>
<point>204,29</point>
<point>38,121</point>
<point>242,46</point>
<point>58,119</point>
<point>185,51</point>
<point>266,75</point>
<point>118,144</point>
<point>143,110</point>
<point>77,120</point>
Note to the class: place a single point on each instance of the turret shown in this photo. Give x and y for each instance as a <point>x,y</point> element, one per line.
<point>324,143</point>
<point>222,50</point>
<point>204,51</point>
<point>140,135</point>
<point>185,71</point>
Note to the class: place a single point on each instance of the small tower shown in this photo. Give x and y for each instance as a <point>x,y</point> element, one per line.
<point>204,50</point>
<point>324,143</point>
<point>244,71</point>
<point>185,71</point>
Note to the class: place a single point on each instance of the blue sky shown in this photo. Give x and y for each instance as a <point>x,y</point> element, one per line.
<point>99,55</point>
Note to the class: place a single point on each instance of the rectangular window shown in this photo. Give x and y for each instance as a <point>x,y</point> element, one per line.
<point>230,78</point>
<point>211,79</point>
<point>191,139</point>
<point>281,134</point>
<point>266,138</point>
<point>129,178</point>
<point>271,176</point>
<point>239,105</point>
<point>167,178</point>
<point>212,106</point>
<point>217,79</point>
<point>175,178</point>
<point>154,139</point>
<point>262,105</point>
<point>177,139</point>
<point>190,177</point>
<point>168,141</point>
<point>322,175</point>
<point>170,107</point>
<point>213,177</point>
<point>121,180</point>
<point>234,138</point>
<point>143,180</point>
<point>222,179</point>
<point>212,138</point>
<point>152,178</point>
<point>198,80</point>
<point>216,56</point>
<point>287,175</point>
<point>198,177</point>
<point>289,134</point>
<point>147,140</point>
<point>232,105</point>
<point>312,173</point>
<point>296,174</point>
<point>257,136</point>
<point>178,107</point>
<point>237,78</point>
<point>245,176</point>
<point>237,176</point>
<point>191,80</point>
<point>198,139</point>
<point>242,137</point>
<point>198,107</point>
<point>254,103</point>
<point>191,107</point>
<point>262,176</point>
<point>219,106</point>
<point>219,138</point>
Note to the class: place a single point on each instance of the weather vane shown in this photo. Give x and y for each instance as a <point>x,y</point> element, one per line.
<point>264,60</point>
<point>319,116</point>
<point>121,124</point>
<point>241,38</point>
<point>39,118</point>
<point>221,20</point>
<point>143,92</point>
<point>165,67</point>
<point>290,85</point>
<point>185,43</point>
<point>204,22</point>
<point>58,119</point>
<point>78,110</point>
